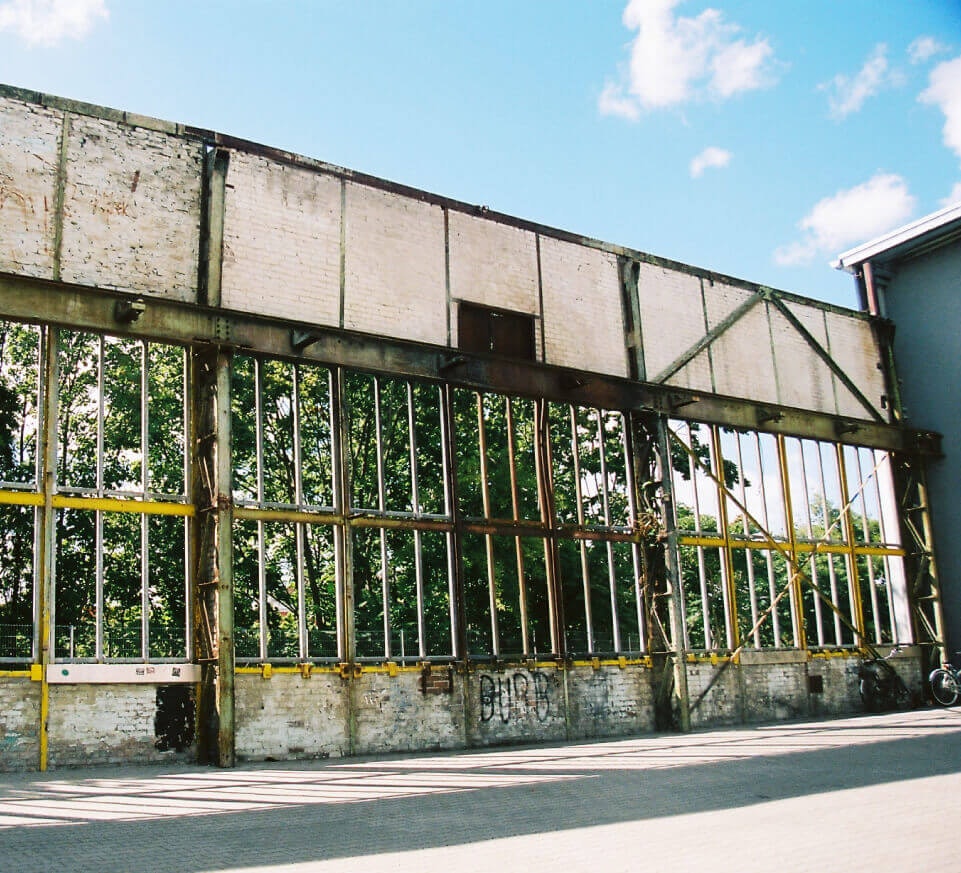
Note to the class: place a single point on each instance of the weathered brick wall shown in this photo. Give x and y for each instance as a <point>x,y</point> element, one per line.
<point>776,686</point>
<point>394,279</point>
<point>610,701</point>
<point>19,724</point>
<point>515,705</point>
<point>130,215</point>
<point>288,716</point>
<point>29,155</point>
<point>493,264</point>
<point>394,714</point>
<point>281,252</point>
<point>668,297</point>
<point>583,313</point>
<point>131,209</point>
<point>105,724</point>
<point>303,244</point>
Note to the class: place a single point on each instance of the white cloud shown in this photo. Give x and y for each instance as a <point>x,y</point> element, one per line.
<point>954,197</point>
<point>848,93</point>
<point>944,91</point>
<point>613,102</point>
<point>676,59</point>
<point>712,156</point>
<point>849,217</point>
<point>924,48</point>
<point>47,22</point>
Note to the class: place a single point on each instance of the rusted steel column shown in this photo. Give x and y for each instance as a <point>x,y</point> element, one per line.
<point>213,601</point>
<point>662,584</point>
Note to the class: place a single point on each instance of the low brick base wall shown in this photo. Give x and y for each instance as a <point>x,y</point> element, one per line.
<point>290,714</point>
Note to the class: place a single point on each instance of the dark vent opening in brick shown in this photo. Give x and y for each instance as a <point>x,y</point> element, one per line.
<point>496,331</point>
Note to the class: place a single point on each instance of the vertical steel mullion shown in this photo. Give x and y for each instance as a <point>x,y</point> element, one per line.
<point>188,528</point>
<point>832,573</point>
<point>606,503</point>
<point>727,569</point>
<point>445,412</point>
<point>263,627</point>
<point>382,506</point>
<point>631,485</point>
<point>868,560</point>
<point>766,521</point>
<point>299,531</point>
<point>812,561</point>
<point>515,507</point>
<point>701,572</point>
<point>415,509</point>
<point>585,569</point>
<point>883,528</point>
<point>854,588</point>
<point>144,488</point>
<point>748,554</point>
<point>98,516</point>
<point>488,539</point>
<point>48,419</point>
<point>702,577</point>
<point>38,478</point>
<point>343,546</point>
<point>543,464</point>
<point>796,593</point>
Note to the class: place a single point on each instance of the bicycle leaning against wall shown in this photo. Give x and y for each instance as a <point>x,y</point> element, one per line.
<point>945,682</point>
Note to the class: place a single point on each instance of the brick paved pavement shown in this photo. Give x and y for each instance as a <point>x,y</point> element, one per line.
<point>878,793</point>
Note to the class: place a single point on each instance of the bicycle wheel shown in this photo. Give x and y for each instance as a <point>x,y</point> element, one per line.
<point>944,686</point>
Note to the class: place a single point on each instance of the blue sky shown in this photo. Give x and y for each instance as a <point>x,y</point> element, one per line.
<point>755,138</point>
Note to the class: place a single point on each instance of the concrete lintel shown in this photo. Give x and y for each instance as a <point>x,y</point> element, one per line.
<point>122,674</point>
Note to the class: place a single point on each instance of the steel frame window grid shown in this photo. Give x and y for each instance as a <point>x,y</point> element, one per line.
<point>799,542</point>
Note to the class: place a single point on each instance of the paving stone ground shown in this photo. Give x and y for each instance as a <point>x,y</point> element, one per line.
<point>877,793</point>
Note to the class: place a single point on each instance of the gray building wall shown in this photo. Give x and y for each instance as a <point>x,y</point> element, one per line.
<point>923,298</point>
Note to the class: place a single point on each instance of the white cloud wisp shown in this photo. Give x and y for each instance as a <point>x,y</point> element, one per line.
<point>48,22</point>
<point>712,156</point>
<point>944,91</point>
<point>849,217</point>
<point>924,48</point>
<point>848,93</point>
<point>676,59</point>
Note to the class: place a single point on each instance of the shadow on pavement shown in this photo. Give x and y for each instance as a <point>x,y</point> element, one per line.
<point>451,799</point>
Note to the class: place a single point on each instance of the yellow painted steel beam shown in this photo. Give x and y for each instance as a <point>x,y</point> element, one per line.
<point>113,504</point>
<point>21,498</point>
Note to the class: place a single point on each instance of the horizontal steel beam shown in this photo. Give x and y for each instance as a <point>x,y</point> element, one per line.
<point>160,319</point>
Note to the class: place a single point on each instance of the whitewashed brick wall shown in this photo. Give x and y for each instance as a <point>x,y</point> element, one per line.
<point>281,241</point>
<point>803,378</point>
<point>29,154</point>
<point>853,347</point>
<point>583,313</point>
<point>92,724</point>
<point>395,283</point>
<point>493,264</point>
<point>19,724</point>
<point>741,357</point>
<point>131,209</point>
<point>672,320</point>
<point>288,716</point>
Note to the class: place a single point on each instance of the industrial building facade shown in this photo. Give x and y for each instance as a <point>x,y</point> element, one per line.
<point>298,462</point>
